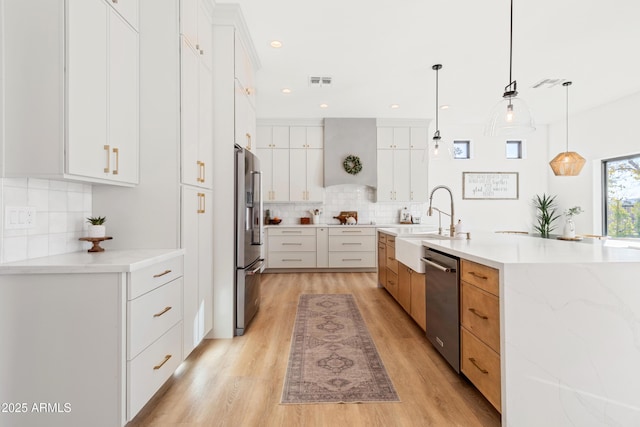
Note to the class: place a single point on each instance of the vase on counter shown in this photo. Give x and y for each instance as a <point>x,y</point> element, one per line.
<point>569,230</point>
<point>315,219</point>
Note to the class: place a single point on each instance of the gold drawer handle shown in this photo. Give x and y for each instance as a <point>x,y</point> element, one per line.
<point>162,274</point>
<point>292,259</point>
<point>107,148</point>
<point>166,359</point>
<point>479,276</point>
<point>116,151</point>
<point>291,244</point>
<point>472,360</point>
<point>162,312</point>
<point>477,313</point>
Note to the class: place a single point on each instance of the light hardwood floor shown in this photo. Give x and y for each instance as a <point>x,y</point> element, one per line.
<point>238,382</point>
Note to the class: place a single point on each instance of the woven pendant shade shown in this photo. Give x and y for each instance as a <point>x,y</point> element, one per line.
<point>568,163</point>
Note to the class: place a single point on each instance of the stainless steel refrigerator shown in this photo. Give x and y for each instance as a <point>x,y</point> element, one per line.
<point>249,237</point>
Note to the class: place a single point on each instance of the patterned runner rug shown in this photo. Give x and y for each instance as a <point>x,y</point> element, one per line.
<point>333,358</point>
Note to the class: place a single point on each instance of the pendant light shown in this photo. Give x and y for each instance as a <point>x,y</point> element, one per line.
<point>510,116</point>
<point>568,163</point>
<point>436,135</point>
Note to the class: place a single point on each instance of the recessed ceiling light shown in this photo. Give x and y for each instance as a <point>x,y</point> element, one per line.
<point>444,107</point>
<point>286,90</point>
<point>276,43</point>
<point>324,105</point>
<point>394,106</point>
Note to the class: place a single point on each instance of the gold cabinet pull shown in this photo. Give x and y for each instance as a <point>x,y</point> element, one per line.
<point>166,359</point>
<point>162,274</point>
<point>107,148</point>
<point>481,369</point>
<point>248,147</point>
<point>201,170</point>
<point>116,151</point>
<point>477,313</point>
<point>479,276</point>
<point>201,205</point>
<point>162,312</point>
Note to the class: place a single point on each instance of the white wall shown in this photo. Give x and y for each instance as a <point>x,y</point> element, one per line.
<point>603,132</point>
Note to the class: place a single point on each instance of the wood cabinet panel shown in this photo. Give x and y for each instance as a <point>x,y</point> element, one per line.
<point>404,287</point>
<point>392,283</point>
<point>481,365</point>
<point>382,264</point>
<point>418,299</point>
<point>392,262</point>
<point>482,276</point>
<point>480,314</point>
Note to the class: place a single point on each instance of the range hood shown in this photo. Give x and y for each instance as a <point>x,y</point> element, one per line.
<point>345,137</point>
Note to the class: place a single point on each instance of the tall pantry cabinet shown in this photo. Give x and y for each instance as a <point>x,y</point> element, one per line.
<point>234,65</point>
<point>71,88</point>
<point>172,205</point>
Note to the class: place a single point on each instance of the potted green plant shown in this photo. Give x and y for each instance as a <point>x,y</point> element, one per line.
<point>96,226</point>
<point>545,214</point>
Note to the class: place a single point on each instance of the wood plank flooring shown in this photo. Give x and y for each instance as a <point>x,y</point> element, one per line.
<point>238,382</point>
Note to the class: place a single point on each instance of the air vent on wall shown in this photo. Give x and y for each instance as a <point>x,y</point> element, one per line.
<point>318,81</point>
<point>548,83</point>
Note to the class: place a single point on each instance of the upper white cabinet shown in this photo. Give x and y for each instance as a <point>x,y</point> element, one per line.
<point>402,165</point>
<point>244,70</point>
<point>306,173</point>
<point>306,137</point>
<point>196,29</point>
<point>196,101</point>
<point>85,126</point>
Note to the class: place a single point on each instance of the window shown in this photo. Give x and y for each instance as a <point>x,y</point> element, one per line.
<point>514,149</point>
<point>462,149</point>
<point>621,193</point>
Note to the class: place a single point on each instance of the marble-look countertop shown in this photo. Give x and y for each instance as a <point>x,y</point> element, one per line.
<point>109,261</point>
<point>344,225</point>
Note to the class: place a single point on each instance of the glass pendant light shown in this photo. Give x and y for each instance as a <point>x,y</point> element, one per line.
<point>567,163</point>
<point>511,115</point>
<point>436,135</point>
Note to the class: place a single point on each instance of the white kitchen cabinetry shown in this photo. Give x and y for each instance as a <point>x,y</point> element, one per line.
<point>419,165</point>
<point>291,247</point>
<point>86,125</point>
<point>306,137</point>
<point>275,174</point>
<point>245,123</point>
<point>272,137</point>
<point>394,175</point>
<point>306,174</point>
<point>196,108</point>
<point>196,29</point>
<point>197,241</point>
<point>352,247</point>
<point>394,138</point>
<point>244,70</point>
<point>109,327</point>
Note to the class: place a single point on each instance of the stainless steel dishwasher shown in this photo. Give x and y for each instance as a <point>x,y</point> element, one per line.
<point>442,294</point>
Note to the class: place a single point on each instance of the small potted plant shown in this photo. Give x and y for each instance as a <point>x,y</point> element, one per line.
<point>569,230</point>
<point>96,227</point>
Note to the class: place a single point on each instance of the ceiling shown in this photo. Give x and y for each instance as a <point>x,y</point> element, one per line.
<point>381,53</point>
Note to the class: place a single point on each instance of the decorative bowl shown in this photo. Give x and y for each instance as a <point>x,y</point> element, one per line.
<point>275,221</point>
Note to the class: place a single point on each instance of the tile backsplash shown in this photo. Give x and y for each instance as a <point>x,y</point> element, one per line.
<point>338,198</point>
<point>61,211</point>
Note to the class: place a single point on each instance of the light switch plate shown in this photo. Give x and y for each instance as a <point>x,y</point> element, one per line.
<point>17,218</point>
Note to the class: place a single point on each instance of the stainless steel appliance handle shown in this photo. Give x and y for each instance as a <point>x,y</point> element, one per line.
<point>257,269</point>
<point>438,266</point>
<point>256,184</point>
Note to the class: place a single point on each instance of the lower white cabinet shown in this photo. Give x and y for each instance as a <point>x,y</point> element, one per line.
<point>321,247</point>
<point>94,334</point>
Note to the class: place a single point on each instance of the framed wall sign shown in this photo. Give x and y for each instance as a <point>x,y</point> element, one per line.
<point>490,185</point>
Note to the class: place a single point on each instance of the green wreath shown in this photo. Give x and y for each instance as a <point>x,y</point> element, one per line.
<point>352,164</point>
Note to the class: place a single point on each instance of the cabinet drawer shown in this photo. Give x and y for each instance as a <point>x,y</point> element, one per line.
<point>350,230</point>
<point>292,243</point>
<point>352,259</point>
<point>292,231</point>
<point>392,283</point>
<point>482,276</point>
<point>352,243</point>
<point>481,365</point>
<point>382,238</point>
<point>151,315</point>
<point>149,278</point>
<point>392,262</point>
<point>480,314</point>
<point>151,368</point>
<point>292,259</point>
<point>391,240</point>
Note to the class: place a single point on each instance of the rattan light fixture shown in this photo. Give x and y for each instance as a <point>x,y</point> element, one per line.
<point>567,163</point>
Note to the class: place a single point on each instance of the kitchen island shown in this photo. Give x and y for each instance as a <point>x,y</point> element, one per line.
<point>569,328</point>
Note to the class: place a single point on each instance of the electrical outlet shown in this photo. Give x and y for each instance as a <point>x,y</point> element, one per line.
<point>17,218</point>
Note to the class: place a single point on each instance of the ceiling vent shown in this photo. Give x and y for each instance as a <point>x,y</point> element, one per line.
<point>319,81</point>
<point>548,83</point>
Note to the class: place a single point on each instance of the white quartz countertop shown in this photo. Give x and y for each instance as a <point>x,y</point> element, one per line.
<point>497,250</point>
<point>109,261</point>
<point>408,230</point>
<point>398,226</point>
